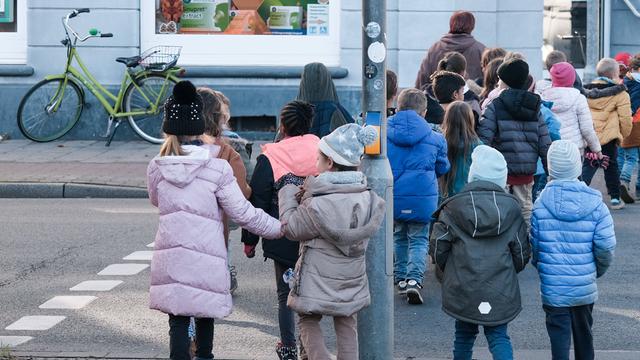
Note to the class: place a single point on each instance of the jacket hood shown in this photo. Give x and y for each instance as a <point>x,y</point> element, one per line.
<point>347,240</point>
<point>457,42</point>
<point>407,128</point>
<point>316,84</point>
<point>570,200</point>
<point>482,211</point>
<point>182,170</point>
<point>563,98</point>
<point>601,89</point>
<point>521,104</point>
<point>296,155</point>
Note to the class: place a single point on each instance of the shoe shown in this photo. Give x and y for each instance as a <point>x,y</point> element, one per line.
<point>616,204</point>
<point>286,352</point>
<point>234,280</point>
<point>413,293</point>
<point>625,195</point>
<point>402,287</point>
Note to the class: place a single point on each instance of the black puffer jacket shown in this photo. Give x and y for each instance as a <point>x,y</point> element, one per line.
<point>513,125</point>
<point>479,240</point>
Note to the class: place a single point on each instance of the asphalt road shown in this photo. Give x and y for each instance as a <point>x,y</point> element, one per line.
<point>48,246</point>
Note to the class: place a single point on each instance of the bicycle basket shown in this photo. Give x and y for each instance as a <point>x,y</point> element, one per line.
<point>160,58</point>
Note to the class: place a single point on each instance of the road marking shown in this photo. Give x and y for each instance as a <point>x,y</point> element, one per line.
<point>11,341</point>
<point>35,323</point>
<point>139,256</point>
<point>123,269</point>
<point>68,302</point>
<point>97,285</point>
<point>151,245</point>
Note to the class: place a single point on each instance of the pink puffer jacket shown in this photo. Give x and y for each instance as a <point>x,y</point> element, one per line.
<point>189,274</point>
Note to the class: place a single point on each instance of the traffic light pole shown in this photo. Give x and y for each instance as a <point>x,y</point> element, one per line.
<point>375,323</point>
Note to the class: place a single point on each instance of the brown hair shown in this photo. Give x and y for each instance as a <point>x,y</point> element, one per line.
<point>554,57</point>
<point>462,22</point>
<point>392,84</point>
<point>491,53</point>
<point>458,128</point>
<point>491,77</point>
<point>445,84</point>
<point>412,99</point>
<point>453,61</point>
<point>215,121</point>
<point>338,167</point>
<point>634,63</point>
<point>511,55</point>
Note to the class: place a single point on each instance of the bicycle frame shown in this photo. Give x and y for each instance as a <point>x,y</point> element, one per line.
<point>111,103</point>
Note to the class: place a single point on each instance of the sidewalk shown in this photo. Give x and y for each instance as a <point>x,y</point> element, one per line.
<point>46,168</point>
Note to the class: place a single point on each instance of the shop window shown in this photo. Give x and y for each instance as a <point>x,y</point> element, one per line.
<point>245,32</point>
<point>565,29</point>
<point>13,32</point>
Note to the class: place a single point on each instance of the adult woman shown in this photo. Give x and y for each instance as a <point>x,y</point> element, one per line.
<point>458,39</point>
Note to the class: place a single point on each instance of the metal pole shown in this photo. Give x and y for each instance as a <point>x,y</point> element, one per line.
<point>593,40</point>
<point>375,323</point>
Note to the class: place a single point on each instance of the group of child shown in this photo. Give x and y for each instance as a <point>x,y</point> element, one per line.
<point>473,211</point>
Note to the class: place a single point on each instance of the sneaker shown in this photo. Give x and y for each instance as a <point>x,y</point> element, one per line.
<point>616,204</point>
<point>286,352</point>
<point>625,195</point>
<point>234,280</point>
<point>413,293</point>
<point>402,287</point>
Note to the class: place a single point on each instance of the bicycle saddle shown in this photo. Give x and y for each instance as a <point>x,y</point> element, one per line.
<point>129,61</point>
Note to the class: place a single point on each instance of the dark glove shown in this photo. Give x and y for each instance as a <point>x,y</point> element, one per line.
<point>249,250</point>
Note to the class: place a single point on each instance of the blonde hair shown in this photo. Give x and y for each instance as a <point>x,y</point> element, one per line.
<point>172,145</point>
<point>607,67</point>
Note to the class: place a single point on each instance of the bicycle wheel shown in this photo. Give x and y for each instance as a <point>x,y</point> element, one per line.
<point>156,88</point>
<point>50,109</point>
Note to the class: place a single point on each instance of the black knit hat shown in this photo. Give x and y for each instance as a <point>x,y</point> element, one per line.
<point>514,73</point>
<point>183,111</point>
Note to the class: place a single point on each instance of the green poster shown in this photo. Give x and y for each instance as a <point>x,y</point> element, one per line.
<point>6,11</point>
<point>204,16</point>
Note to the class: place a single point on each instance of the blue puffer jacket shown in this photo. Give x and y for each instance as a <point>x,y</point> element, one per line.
<point>553,124</point>
<point>572,241</point>
<point>418,156</point>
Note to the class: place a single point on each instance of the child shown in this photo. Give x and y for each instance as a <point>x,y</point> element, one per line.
<point>288,161</point>
<point>490,90</point>
<point>513,124</point>
<point>629,152</point>
<point>455,62</point>
<point>215,122</point>
<point>555,57</point>
<point>481,256</point>
<point>611,110</point>
<point>191,188</point>
<point>448,87</point>
<point>571,108</point>
<point>333,217</point>
<point>392,92</point>
<point>418,155</point>
<point>459,131</point>
<point>488,55</point>
<point>573,239</point>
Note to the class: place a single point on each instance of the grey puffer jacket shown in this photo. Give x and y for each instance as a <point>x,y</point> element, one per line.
<point>513,125</point>
<point>479,240</point>
<point>333,221</point>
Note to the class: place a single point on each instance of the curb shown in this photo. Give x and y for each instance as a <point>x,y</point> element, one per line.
<point>69,191</point>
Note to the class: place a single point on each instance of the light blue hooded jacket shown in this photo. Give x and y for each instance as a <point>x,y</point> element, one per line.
<point>572,241</point>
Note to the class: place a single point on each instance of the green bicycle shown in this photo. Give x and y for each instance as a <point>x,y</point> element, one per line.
<point>52,107</point>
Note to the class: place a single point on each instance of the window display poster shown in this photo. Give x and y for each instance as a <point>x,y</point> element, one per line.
<point>6,11</point>
<point>245,17</point>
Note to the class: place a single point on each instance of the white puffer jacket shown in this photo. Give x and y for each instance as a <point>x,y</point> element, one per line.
<point>572,109</point>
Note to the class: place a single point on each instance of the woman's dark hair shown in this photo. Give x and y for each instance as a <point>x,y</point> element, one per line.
<point>445,84</point>
<point>296,118</point>
<point>491,77</point>
<point>453,61</point>
<point>392,84</point>
<point>462,22</point>
<point>338,167</point>
<point>491,53</point>
<point>458,128</point>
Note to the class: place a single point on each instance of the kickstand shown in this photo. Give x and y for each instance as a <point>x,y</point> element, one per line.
<point>113,133</point>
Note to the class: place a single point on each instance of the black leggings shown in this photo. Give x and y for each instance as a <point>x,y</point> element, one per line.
<point>179,341</point>
<point>286,317</point>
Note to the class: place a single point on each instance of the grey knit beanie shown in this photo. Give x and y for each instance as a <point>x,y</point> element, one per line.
<point>488,164</point>
<point>564,160</point>
<point>345,145</point>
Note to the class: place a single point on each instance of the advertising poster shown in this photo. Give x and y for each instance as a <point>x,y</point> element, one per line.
<point>242,17</point>
<point>6,11</point>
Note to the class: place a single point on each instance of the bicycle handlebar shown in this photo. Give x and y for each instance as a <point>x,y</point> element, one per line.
<point>92,32</point>
<point>106,35</point>
<point>76,12</point>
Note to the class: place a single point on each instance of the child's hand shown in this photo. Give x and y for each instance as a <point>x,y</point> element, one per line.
<point>282,229</point>
<point>249,250</point>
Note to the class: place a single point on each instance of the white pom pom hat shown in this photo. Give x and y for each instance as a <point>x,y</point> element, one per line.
<point>345,145</point>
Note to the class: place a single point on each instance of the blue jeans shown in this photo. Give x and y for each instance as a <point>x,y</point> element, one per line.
<point>499,341</point>
<point>628,161</point>
<point>411,242</point>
